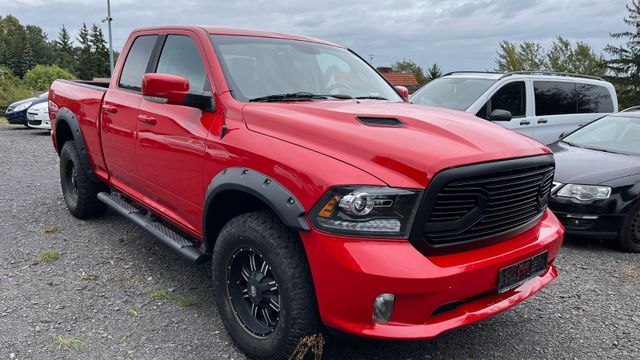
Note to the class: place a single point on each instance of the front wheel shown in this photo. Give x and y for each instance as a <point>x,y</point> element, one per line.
<point>263,285</point>
<point>629,236</point>
<point>78,189</point>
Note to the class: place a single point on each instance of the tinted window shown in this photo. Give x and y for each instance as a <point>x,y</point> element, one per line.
<point>180,56</point>
<point>555,97</point>
<point>136,64</point>
<point>452,92</point>
<point>511,97</point>
<point>593,99</point>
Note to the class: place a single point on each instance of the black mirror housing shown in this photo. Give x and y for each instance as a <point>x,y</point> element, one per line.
<point>500,115</point>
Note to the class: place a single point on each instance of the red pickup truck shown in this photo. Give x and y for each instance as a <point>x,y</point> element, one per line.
<point>322,197</point>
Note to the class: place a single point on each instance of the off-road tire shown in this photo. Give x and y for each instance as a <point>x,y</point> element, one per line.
<point>282,249</point>
<point>78,189</point>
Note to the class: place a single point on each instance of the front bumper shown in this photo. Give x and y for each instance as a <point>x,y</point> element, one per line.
<point>433,294</point>
<point>38,121</point>
<point>593,220</point>
<point>17,117</point>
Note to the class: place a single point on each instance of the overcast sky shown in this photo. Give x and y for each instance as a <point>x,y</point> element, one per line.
<point>457,34</point>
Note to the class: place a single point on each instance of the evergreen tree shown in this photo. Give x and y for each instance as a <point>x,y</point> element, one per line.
<point>100,58</point>
<point>624,63</point>
<point>13,45</point>
<point>63,49</point>
<point>84,58</point>
<point>434,72</point>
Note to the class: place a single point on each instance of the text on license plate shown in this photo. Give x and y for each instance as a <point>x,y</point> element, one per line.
<point>514,275</point>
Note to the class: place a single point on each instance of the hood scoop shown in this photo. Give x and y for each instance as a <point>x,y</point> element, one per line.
<point>380,121</point>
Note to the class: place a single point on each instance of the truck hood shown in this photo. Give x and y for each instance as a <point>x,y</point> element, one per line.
<point>429,139</point>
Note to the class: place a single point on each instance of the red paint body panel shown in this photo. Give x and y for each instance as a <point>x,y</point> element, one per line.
<point>164,156</point>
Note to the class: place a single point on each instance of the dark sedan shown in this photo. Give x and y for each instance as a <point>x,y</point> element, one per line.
<point>597,183</point>
<point>17,112</point>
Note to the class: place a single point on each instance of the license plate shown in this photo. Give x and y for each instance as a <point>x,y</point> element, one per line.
<point>517,274</point>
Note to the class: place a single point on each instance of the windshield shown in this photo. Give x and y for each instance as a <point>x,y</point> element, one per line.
<point>452,92</point>
<point>257,67</point>
<point>613,133</point>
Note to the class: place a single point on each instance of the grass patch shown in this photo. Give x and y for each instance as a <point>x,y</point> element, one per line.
<point>133,311</point>
<point>161,295</point>
<point>185,301</point>
<point>68,342</point>
<point>51,230</point>
<point>3,120</point>
<point>48,256</point>
<point>88,277</point>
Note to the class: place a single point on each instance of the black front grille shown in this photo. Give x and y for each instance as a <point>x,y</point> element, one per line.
<point>485,201</point>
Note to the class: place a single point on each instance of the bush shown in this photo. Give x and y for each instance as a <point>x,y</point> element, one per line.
<point>11,89</point>
<point>41,76</point>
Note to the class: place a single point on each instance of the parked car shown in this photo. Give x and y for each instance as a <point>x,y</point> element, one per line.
<point>320,195</point>
<point>597,182</point>
<point>540,105</point>
<point>17,112</point>
<point>38,116</point>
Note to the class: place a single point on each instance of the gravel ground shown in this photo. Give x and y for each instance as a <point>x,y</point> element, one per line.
<point>114,292</point>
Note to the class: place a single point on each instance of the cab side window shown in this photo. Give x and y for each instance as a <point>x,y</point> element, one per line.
<point>180,56</point>
<point>511,97</point>
<point>136,64</point>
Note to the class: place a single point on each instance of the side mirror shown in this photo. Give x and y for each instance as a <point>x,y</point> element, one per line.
<point>500,115</point>
<point>403,91</point>
<point>165,88</point>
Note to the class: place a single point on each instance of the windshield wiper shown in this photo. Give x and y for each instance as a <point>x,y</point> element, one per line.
<point>298,96</point>
<point>593,148</point>
<point>371,97</point>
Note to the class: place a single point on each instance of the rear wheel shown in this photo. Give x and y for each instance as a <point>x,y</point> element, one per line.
<point>78,189</point>
<point>263,285</point>
<point>629,236</point>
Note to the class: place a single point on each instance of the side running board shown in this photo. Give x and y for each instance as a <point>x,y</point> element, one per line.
<point>156,227</point>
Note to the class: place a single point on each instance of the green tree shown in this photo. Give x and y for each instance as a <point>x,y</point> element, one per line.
<point>41,76</point>
<point>624,62</point>
<point>526,56</point>
<point>434,72</point>
<point>408,66</point>
<point>581,59</point>
<point>84,59</point>
<point>100,56</point>
<point>11,88</point>
<point>63,49</point>
<point>13,39</point>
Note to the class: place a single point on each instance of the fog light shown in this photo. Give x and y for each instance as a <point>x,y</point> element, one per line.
<point>383,307</point>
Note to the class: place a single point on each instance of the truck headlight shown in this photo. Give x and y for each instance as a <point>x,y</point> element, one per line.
<point>366,210</point>
<point>22,107</point>
<point>584,192</point>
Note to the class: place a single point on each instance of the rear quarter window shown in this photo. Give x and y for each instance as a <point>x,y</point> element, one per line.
<point>136,63</point>
<point>593,99</point>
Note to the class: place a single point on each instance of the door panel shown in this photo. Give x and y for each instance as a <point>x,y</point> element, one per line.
<point>171,138</point>
<point>513,97</point>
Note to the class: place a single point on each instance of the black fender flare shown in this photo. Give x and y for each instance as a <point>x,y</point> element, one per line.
<point>66,116</point>
<point>272,193</point>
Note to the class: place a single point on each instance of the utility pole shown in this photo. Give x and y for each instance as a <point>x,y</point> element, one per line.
<point>108,19</point>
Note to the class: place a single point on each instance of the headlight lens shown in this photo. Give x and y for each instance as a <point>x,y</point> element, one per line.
<point>22,106</point>
<point>585,192</point>
<point>366,210</point>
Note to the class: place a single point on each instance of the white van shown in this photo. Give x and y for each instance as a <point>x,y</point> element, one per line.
<point>541,105</point>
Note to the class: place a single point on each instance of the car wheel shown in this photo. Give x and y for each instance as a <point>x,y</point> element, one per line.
<point>263,286</point>
<point>629,237</point>
<point>78,189</point>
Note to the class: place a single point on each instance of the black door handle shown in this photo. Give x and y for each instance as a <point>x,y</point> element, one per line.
<point>525,122</point>
<point>543,121</point>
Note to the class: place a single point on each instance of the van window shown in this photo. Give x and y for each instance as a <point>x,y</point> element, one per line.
<point>180,56</point>
<point>555,97</point>
<point>594,99</point>
<point>136,64</point>
<point>511,97</point>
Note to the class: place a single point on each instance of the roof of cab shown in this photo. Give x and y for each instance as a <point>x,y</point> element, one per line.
<point>240,32</point>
